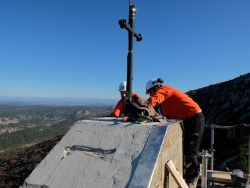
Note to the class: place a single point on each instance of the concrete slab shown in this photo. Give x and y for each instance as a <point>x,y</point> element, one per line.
<point>103,152</point>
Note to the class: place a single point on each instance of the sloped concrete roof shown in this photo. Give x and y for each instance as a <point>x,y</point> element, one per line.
<point>104,152</point>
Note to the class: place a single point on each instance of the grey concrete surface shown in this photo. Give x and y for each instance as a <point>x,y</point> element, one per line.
<point>102,152</point>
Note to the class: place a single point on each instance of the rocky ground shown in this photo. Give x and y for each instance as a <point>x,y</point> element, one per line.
<point>15,168</point>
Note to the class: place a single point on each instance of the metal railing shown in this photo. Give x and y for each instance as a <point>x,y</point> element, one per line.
<point>205,154</point>
<point>212,127</point>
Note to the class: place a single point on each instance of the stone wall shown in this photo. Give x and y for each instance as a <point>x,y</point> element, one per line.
<point>171,150</point>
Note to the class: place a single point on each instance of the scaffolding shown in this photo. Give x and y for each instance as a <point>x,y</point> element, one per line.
<point>224,177</point>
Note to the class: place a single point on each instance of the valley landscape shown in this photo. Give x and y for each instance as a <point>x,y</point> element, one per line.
<point>26,125</point>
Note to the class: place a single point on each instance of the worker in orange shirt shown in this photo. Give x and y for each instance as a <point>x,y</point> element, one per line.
<point>177,105</point>
<point>118,110</point>
<point>136,98</point>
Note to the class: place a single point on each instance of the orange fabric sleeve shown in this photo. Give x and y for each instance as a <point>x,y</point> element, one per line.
<point>159,96</point>
<point>117,112</point>
<point>175,104</point>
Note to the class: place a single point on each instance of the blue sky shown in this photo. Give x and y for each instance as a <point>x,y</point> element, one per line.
<point>75,48</point>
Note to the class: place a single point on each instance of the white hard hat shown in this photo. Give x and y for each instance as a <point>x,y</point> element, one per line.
<point>123,86</point>
<point>238,172</point>
<point>154,82</point>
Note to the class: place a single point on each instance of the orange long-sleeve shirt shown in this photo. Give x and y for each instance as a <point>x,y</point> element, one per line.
<point>175,104</point>
<point>117,112</point>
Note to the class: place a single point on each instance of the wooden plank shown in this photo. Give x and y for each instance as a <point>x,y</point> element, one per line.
<point>176,175</point>
<point>220,177</point>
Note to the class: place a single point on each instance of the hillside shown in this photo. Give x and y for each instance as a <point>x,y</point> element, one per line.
<point>228,104</point>
<point>20,125</point>
<point>15,168</point>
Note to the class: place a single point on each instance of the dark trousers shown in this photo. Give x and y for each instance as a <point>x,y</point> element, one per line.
<point>193,131</point>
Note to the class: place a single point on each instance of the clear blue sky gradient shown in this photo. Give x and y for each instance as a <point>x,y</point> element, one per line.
<point>75,48</point>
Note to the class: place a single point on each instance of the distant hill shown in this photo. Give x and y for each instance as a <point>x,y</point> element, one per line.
<point>55,101</point>
<point>226,103</point>
<point>20,125</point>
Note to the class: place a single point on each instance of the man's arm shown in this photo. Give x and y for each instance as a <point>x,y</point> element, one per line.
<point>159,96</point>
<point>117,112</point>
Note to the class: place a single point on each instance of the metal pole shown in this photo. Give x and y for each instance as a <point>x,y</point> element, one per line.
<point>131,33</point>
<point>204,169</point>
<point>132,11</point>
<point>212,148</point>
<point>249,157</point>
